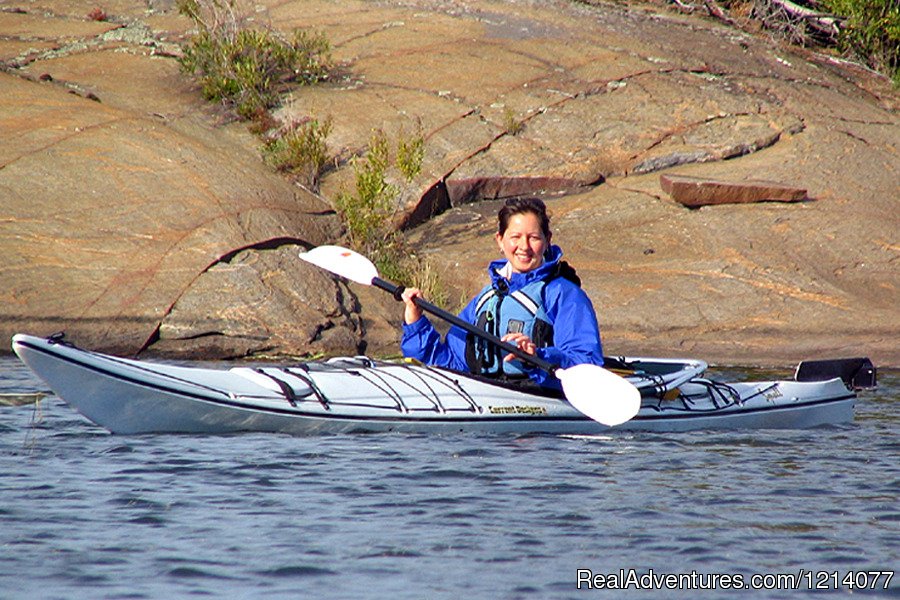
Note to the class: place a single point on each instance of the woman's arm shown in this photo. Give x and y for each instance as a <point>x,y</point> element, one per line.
<point>422,342</point>
<point>576,334</point>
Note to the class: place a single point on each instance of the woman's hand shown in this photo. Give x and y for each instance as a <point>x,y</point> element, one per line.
<point>520,340</point>
<point>412,313</point>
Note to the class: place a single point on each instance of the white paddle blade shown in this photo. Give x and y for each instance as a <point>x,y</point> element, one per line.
<point>600,394</point>
<point>342,261</point>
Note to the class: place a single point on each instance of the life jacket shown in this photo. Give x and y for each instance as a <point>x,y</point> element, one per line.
<point>498,312</point>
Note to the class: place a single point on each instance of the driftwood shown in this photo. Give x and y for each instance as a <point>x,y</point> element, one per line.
<point>792,17</point>
<point>797,18</point>
<point>688,8</point>
<point>715,10</point>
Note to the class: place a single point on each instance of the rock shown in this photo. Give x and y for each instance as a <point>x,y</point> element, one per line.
<point>694,192</point>
<point>148,220</point>
<point>454,192</point>
<point>462,191</point>
<point>258,302</point>
<point>111,212</point>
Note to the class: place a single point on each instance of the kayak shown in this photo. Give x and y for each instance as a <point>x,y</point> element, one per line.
<point>359,394</point>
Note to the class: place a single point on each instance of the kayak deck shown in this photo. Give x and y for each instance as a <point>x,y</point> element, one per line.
<point>360,394</point>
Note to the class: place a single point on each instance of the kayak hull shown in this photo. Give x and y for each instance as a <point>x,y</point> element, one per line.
<point>358,395</point>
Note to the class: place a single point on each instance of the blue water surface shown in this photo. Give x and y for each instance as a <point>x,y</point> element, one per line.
<point>86,514</point>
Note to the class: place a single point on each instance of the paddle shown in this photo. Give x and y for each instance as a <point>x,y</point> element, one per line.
<point>599,394</point>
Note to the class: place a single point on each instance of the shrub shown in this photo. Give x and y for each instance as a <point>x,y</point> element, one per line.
<point>410,154</point>
<point>368,212</point>
<point>245,67</point>
<point>300,149</point>
<point>395,262</point>
<point>871,32</point>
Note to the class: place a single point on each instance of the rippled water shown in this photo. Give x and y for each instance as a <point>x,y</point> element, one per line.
<point>85,514</point>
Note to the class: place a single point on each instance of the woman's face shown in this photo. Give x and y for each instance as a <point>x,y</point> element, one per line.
<point>523,243</point>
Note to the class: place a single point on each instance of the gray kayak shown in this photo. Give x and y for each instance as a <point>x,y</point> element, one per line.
<point>358,394</point>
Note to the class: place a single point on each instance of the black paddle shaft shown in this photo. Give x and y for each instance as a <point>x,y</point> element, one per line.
<point>396,291</point>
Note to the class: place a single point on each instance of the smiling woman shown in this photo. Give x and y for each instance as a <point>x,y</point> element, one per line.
<point>534,301</point>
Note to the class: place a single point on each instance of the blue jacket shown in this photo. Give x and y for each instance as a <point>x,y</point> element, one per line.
<point>576,335</point>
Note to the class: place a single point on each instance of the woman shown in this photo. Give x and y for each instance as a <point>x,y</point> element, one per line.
<point>534,301</point>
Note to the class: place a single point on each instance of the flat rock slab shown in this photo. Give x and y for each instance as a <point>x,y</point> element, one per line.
<point>694,192</point>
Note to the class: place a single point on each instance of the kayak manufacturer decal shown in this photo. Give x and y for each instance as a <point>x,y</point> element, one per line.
<point>517,410</point>
<point>773,393</point>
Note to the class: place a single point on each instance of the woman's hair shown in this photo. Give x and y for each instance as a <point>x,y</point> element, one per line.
<point>518,206</point>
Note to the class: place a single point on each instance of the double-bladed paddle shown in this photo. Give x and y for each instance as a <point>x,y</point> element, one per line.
<point>599,394</point>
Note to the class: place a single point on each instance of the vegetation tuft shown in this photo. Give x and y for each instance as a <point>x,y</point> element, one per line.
<point>300,148</point>
<point>511,124</point>
<point>368,211</point>
<point>410,154</point>
<point>245,67</point>
<point>871,31</point>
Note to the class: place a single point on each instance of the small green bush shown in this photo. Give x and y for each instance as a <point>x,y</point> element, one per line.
<point>245,67</point>
<point>300,149</point>
<point>368,212</point>
<point>410,154</point>
<point>871,32</point>
<point>511,124</point>
<point>312,61</point>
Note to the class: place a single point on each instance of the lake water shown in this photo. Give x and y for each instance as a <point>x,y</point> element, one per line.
<point>86,514</point>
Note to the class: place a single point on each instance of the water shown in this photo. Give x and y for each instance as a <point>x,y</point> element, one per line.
<point>85,514</point>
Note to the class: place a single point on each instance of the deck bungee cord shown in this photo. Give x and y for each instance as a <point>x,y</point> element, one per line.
<point>351,395</point>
